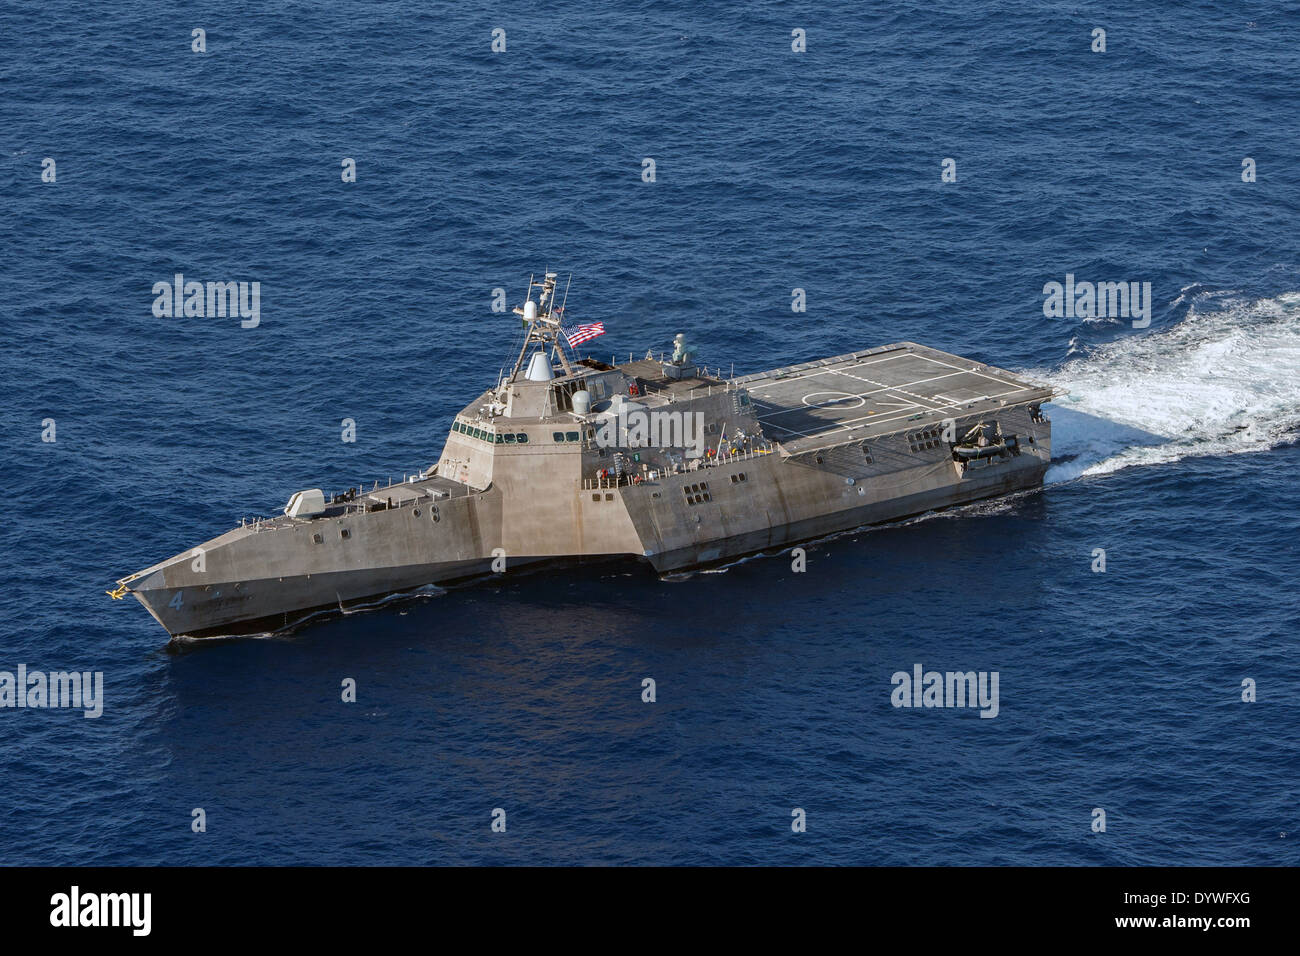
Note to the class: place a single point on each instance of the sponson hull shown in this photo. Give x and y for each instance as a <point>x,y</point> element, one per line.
<point>557,462</point>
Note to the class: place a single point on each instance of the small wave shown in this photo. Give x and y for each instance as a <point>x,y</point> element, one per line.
<point>1224,380</point>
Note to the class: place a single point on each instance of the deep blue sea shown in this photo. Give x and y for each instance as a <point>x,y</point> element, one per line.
<point>774,171</point>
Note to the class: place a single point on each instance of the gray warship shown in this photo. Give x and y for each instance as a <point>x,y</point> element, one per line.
<point>569,458</point>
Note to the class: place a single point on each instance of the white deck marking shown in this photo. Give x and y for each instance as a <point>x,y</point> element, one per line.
<point>921,400</point>
<point>840,397</point>
<point>874,420</point>
<point>860,395</point>
<point>808,373</point>
<point>848,424</point>
<point>905,403</point>
<point>904,386</point>
<point>971,371</point>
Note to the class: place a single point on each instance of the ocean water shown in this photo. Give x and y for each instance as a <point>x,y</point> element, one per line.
<point>1176,444</point>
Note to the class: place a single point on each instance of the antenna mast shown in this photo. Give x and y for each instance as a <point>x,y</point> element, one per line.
<point>543,323</point>
<point>558,339</point>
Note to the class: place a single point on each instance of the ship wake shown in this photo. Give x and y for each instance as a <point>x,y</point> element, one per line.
<point>1224,380</point>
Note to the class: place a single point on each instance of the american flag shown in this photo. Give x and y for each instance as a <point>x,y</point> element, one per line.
<point>584,333</point>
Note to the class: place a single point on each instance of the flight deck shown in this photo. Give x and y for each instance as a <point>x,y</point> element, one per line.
<point>877,392</point>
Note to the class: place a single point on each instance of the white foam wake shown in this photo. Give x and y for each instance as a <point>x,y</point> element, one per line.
<point>1224,380</point>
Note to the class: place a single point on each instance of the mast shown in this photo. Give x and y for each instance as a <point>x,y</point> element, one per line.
<point>559,346</point>
<point>543,324</point>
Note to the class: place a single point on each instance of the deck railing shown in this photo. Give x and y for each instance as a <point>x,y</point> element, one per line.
<point>360,504</point>
<point>762,450</point>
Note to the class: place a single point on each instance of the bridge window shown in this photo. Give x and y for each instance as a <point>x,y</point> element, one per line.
<point>508,438</point>
<point>521,438</point>
<point>572,436</point>
<point>557,436</point>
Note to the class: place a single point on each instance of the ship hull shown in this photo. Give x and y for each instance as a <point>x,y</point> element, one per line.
<point>822,525</point>
<point>277,604</point>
